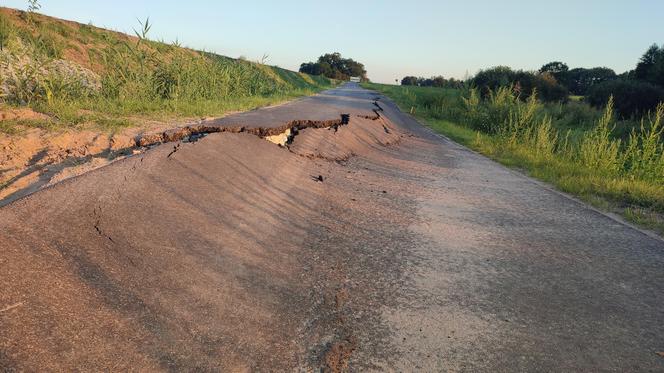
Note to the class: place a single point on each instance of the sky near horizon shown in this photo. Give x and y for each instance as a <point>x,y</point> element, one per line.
<point>394,38</point>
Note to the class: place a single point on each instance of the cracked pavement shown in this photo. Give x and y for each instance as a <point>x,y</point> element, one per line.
<point>375,245</point>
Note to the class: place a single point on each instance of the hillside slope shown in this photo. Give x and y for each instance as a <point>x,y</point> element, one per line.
<point>76,94</point>
<point>57,67</point>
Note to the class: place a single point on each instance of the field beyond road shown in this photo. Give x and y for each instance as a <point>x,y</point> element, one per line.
<point>364,242</point>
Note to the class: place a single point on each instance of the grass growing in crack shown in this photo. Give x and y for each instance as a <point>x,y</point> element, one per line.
<point>616,166</point>
<point>79,73</point>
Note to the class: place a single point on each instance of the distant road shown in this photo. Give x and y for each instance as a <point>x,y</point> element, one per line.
<point>372,245</point>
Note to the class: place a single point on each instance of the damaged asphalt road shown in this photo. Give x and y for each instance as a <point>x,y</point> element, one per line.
<point>367,245</point>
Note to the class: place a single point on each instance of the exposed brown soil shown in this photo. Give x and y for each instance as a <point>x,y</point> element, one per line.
<point>38,158</point>
<point>204,128</point>
<point>75,51</point>
<point>20,114</point>
<point>32,160</point>
<point>338,356</point>
<point>343,142</point>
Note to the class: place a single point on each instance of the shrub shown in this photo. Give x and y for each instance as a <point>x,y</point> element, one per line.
<point>645,150</point>
<point>631,97</point>
<point>24,87</point>
<point>525,83</point>
<point>493,78</point>
<point>545,86</point>
<point>598,151</point>
<point>409,80</point>
<point>500,110</point>
<point>573,114</point>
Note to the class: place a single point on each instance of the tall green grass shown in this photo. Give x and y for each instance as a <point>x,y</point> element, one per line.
<point>589,158</point>
<point>132,77</point>
<point>6,31</point>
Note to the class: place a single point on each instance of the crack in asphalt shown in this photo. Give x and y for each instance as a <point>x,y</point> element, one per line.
<point>175,149</point>
<point>97,223</point>
<point>194,132</point>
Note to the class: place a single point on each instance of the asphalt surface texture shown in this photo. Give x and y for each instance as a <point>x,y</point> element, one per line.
<point>376,245</point>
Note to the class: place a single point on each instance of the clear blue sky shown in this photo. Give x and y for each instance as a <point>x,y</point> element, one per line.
<point>394,38</point>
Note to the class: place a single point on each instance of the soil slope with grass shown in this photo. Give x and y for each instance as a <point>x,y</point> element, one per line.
<point>75,95</point>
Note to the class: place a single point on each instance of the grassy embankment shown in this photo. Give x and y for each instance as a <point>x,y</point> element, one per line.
<point>615,165</point>
<point>79,75</point>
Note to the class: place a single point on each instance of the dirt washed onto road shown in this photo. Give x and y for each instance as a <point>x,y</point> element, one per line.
<point>363,242</point>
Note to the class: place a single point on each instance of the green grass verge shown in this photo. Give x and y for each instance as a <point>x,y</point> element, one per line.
<point>638,201</point>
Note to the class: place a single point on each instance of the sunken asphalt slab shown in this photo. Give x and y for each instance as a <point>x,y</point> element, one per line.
<point>409,255</point>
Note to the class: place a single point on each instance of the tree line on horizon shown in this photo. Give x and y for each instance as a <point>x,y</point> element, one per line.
<point>435,81</point>
<point>635,92</point>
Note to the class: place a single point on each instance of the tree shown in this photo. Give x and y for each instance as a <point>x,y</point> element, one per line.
<point>554,68</point>
<point>631,97</point>
<point>409,80</point>
<point>545,84</point>
<point>651,66</point>
<point>435,81</point>
<point>423,82</point>
<point>646,63</point>
<point>557,69</point>
<point>454,83</point>
<point>492,78</point>
<point>438,81</point>
<point>580,80</point>
<point>332,65</point>
<point>523,82</point>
